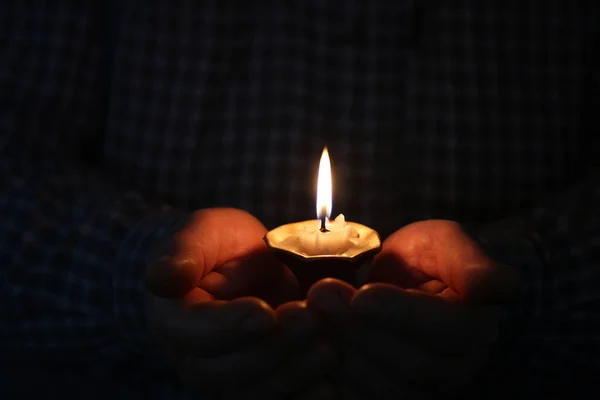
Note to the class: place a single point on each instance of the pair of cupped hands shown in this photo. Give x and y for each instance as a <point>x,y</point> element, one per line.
<point>228,315</point>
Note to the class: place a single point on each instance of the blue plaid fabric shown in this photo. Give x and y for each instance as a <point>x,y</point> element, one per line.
<point>118,118</point>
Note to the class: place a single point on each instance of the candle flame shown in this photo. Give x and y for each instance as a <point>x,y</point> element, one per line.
<point>324,191</point>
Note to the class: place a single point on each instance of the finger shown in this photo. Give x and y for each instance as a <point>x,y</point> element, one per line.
<point>256,275</point>
<point>212,238</point>
<point>362,376</point>
<point>331,298</point>
<point>307,368</point>
<point>438,323</point>
<point>205,328</point>
<point>240,368</point>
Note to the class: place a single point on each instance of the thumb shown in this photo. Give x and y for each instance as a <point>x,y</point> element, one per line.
<point>212,238</point>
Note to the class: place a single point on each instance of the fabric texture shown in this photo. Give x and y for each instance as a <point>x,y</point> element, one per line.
<point>118,118</point>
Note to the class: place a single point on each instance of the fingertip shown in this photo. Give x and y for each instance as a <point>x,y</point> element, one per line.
<point>291,309</point>
<point>331,285</point>
<point>253,304</point>
<point>330,295</point>
<point>328,286</point>
<point>256,314</point>
<point>378,288</point>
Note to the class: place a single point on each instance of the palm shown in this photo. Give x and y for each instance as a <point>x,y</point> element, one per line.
<point>437,257</point>
<point>220,255</point>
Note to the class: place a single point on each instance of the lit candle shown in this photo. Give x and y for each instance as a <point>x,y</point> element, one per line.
<point>319,248</point>
<point>326,237</point>
<point>336,239</point>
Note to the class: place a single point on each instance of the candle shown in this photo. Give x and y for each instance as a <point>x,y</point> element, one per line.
<point>319,248</point>
<point>325,237</point>
<point>337,238</point>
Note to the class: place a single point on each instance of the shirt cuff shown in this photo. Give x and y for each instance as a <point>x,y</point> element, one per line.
<point>129,291</point>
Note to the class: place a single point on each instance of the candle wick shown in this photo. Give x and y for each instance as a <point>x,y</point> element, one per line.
<point>323,228</point>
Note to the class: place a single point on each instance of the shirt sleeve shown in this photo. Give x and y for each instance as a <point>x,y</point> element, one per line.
<point>551,331</point>
<point>73,244</point>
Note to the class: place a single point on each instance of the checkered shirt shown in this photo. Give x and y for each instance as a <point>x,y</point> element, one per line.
<point>118,118</point>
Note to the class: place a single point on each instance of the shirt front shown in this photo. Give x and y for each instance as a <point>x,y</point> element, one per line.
<point>462,112</point>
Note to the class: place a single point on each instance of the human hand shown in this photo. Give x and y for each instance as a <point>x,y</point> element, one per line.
<point>425,323</point>
<point>213,289</point>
